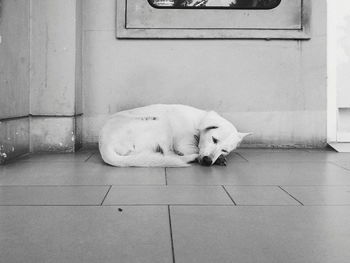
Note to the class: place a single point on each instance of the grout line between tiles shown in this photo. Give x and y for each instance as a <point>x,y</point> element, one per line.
<point>290,195</point>
<point>146,185</point>
<point>242,157</point>
<point>117,205</point>
<point>227,205</point>
<point>79,185</point>
<point>178,205</point>
<point>104,198</point>
<point>166,176</point>
<point>171,235</point>
<point>258,161</point>
<point>92,154</point>
<point>233,201</point>
<point>172,204</point>
<point>338,165</point>
<point>63,186</point>
<point>55,205</point>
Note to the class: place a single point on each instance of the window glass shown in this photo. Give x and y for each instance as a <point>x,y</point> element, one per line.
<point>212,4</point>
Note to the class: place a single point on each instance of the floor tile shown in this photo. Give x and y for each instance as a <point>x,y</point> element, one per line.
<point>77,173</point>
<point>232,158</point>
<point>52,195</point>
<point>260,195</point>
<point>235,157</point>
<point>273,150</point>
<point>345,163</point>
<point>143,195</point>
<point>56,157</point>
<point>280,155</point>
<point>341,159</point>
<point>85,234</point>
<point>95,158</point>
<point>264,173</point>
<point>268,234</point>
<point>320,195</point>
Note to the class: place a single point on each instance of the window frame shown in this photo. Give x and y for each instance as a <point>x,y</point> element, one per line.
<point>124,32</point>
<point>211,7</point>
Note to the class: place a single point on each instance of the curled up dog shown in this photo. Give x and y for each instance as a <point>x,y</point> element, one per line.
<point>167,136</point>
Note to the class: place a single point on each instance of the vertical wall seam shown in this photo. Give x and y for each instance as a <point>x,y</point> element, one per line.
<point>30,73</point>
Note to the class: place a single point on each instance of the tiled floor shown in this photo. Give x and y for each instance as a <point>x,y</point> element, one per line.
<point>266,206</point>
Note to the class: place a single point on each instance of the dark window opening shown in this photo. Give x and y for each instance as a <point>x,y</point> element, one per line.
<point>215,4</point>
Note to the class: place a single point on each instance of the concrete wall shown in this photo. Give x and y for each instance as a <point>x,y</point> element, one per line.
<point>275,89</point>
<point>14,62</point>
<point>40,76</point>
<point>14,78</point>
<point>55,98</point>
<point>340,46</point>
<point>53,57</point>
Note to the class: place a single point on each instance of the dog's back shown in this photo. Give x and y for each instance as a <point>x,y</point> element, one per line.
<point>135,137</point>
<point>167,135</point>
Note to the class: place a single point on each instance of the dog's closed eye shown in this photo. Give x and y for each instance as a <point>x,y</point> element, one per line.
<point>211,128</point>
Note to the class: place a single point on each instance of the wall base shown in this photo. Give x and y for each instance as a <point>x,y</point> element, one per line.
<point>342,147</point>
<point>14,138</point>
<point>55,134</point>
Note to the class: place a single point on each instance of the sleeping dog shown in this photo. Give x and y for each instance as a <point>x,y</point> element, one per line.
<point>167,136</point>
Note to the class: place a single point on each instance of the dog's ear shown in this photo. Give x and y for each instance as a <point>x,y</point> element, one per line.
<point>242,135</point>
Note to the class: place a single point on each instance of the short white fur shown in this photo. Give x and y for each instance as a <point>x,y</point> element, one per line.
<point>164,136</point>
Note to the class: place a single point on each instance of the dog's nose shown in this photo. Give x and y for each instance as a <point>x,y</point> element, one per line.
<point>207,161</point>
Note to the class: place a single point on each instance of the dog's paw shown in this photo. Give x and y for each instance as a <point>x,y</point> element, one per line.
<point>222,161</point>
<point>192,158</point>
<point>178,152</point>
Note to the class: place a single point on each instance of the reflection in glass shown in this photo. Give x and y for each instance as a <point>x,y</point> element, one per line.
<point>234,4</point>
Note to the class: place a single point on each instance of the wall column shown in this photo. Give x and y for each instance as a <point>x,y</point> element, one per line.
<point>338,75</point>
<point>56,73</point>
<point>14,78</point>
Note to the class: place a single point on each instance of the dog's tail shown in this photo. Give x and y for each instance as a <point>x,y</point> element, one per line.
<point>110,156</point>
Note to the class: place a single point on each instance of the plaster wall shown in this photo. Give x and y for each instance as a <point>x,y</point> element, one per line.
<point>14,58</point>
<point>55,79</point>
<point>14,78</point>
<point>53,54</point>
<point>275,89</point>
<point>342,68</point>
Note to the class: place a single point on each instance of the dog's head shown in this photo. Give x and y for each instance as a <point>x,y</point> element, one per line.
<point>217,137</point>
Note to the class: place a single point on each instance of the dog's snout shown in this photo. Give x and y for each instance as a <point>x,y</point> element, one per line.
<point>207,161</point>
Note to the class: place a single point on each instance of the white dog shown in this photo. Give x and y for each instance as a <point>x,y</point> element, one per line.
<point>167,136</point>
